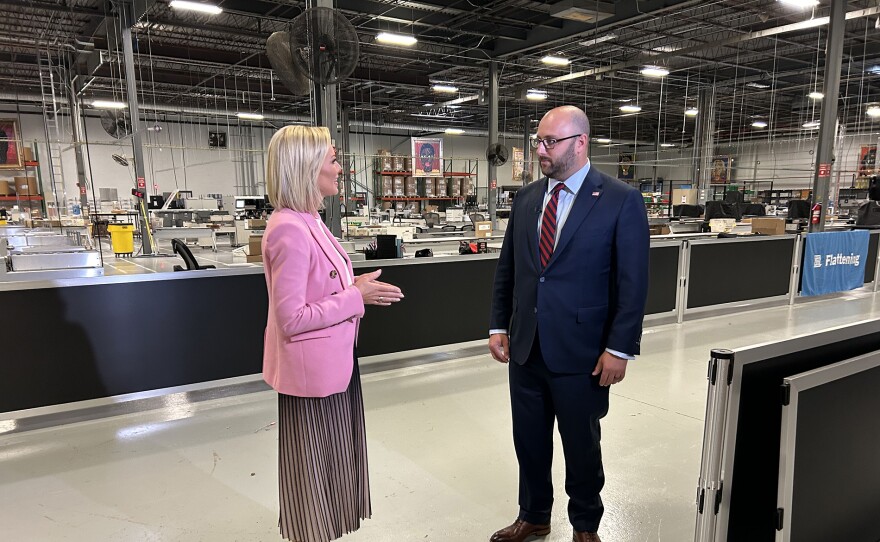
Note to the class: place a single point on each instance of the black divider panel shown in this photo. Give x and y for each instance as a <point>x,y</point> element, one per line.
<point>756,457</point>
<point>836,471</point>
<point>445,303</point>
<point>84,342</point>
<point>738,271</point>
<point>663,280</point>
<point>871,264</point>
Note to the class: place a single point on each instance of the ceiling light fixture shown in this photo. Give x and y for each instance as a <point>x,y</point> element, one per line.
<point>665,49</point>
<point>800,3</point>
<point>396,39</point>
<point>249,116</point>
<point>754,84</point>
<point>812,125</point>
<point>630,108</point>
<point>196,6</point>
<point>654,71</point>
<point>759,124</point>
<point>873,111</point>
<point>815,95</point>
<point>602,140</point>
<point>444,88</point>
<point>667,145</point>
<point>556,60</point>
<point>536,95</point>
<point>691,111</point>
<point>600,39</point>
<point>107,104</point>
<point>454,131</point>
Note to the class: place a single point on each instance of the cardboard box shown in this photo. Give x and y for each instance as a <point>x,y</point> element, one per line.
<point>255,224</point>
<point>255,245</point>
<point>431,208</point>
<point>482,229</point>
<point>6,188</point>
<point>254,258</point>
<point>28,154</point>
<point>26,186</point>
<point>768,225</point>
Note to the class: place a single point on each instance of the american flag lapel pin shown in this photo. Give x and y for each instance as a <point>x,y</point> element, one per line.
<point>596,194</point>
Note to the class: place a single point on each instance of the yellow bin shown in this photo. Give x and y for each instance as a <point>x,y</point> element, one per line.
<point>122,238</point>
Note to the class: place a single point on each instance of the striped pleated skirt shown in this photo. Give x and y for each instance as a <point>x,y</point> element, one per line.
<point>322,456</point>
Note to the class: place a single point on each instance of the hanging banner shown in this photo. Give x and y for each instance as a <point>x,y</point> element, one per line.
<point>721,169</point>
<point>834,261</point>
<point>867,160</point>
<point>427,153</point>
<point>626,167</point>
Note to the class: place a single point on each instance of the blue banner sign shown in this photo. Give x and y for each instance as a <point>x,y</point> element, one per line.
<point>834,262</point>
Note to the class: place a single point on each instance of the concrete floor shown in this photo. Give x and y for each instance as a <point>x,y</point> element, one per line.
<point>441,456</point>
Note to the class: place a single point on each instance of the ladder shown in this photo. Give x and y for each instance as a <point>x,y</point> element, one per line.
<point>51,108</point>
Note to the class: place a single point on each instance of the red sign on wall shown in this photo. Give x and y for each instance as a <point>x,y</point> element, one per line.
<point>141,182</point>
<point>824,170</point>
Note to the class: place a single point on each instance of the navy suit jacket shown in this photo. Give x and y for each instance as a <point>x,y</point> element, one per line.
<point>592,294</point>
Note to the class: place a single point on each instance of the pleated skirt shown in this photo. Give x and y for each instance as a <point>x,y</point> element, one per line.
<point>323,481</point>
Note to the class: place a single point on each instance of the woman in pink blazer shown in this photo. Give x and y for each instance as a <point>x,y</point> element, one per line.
<point>315,305</point>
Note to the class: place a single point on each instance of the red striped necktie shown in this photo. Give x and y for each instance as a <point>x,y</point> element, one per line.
<point>548,226</point>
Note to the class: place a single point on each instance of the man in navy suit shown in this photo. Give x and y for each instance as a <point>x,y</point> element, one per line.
<point>568,304</point>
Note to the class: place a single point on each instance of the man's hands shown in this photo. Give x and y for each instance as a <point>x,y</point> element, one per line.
<point>612,369</point>
<point>499,347</point>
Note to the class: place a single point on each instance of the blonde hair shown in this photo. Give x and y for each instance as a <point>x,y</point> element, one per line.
<point>296,155</point>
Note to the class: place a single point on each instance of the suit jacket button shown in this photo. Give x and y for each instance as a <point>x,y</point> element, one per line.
<point>333,274</point>
<point>541,279</point>
<point>536,310</point>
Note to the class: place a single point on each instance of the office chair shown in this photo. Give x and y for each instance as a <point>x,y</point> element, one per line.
<point>448,227</point>
<point>467,227</point>
<point>720,209</point>
<point>477,217</point>
<point>431,219</point>
<point>184,252</point>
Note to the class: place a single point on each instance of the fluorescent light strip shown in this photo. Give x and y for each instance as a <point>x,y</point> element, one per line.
<point>396,39</point>
<point>692,111</point>
<point>813,124</point>
<point>759,124</point>
<point>667,145</point>
<point>602,140</point>
<point>630,108</point>
<point>196,6</point>
<point>536,95</point>
<point>600,39</point>
<point>815,95</point>
<point>800,3</point>
<point>873,111</point>
<point>444,88</point>
<point>249,116</point>
<point>555,60</point>
<point>654,71</point>
<point>454,131</point>
<point>106,104</point>
<point>757,85</point>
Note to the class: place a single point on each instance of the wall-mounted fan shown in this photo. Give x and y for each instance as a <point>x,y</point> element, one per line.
<point>497,154</point>
<point>121,160</point>
<point>116,123</point>
<point>278,51</point>
<point>324,45</point>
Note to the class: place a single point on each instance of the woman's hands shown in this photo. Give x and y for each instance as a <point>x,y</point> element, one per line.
<point>375,292</point>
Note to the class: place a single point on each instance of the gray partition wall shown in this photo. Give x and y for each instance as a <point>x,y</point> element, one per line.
<point>739,471</point>
<point>829,468</point>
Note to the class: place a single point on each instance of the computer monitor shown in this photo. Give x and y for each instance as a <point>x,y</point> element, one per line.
<point>155,202</point>
<point>799,209</point>
<point>239,204</point>
<point>720,209</point>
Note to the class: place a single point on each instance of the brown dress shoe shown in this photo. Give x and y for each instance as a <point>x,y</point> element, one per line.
<point>520,531</point>
<point>583,536</point>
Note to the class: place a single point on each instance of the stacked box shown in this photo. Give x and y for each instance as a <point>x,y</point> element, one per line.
<point>454,188</point>
<point>387,186</point>
<point>399,205</point>
<point>386,162</point>
<point>466,186</point>
<point>6,188</point>
<point>398,163</point>
<point>26,186</point>
<point>410,187</point>
<point>429,188</point>
<point>399,186</point>
<point>440,190</point>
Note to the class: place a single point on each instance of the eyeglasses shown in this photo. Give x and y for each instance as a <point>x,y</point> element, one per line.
<point>549,142</point>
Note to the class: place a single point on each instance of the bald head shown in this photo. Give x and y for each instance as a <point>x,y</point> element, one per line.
<point>570,116</point>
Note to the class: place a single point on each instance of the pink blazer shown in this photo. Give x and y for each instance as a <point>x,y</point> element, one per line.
<point>313,312</point>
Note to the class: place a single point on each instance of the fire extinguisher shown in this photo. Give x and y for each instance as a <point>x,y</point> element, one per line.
<point>816,213</point>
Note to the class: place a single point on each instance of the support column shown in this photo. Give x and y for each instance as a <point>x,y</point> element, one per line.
<point>828,117</point>
<point>326,115</point>
<point>344,150</point>
<point>527,146</point>
<point>71,88</point>
<point>126,21</point>
<point>492,189</point>
<point>704,142</point>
